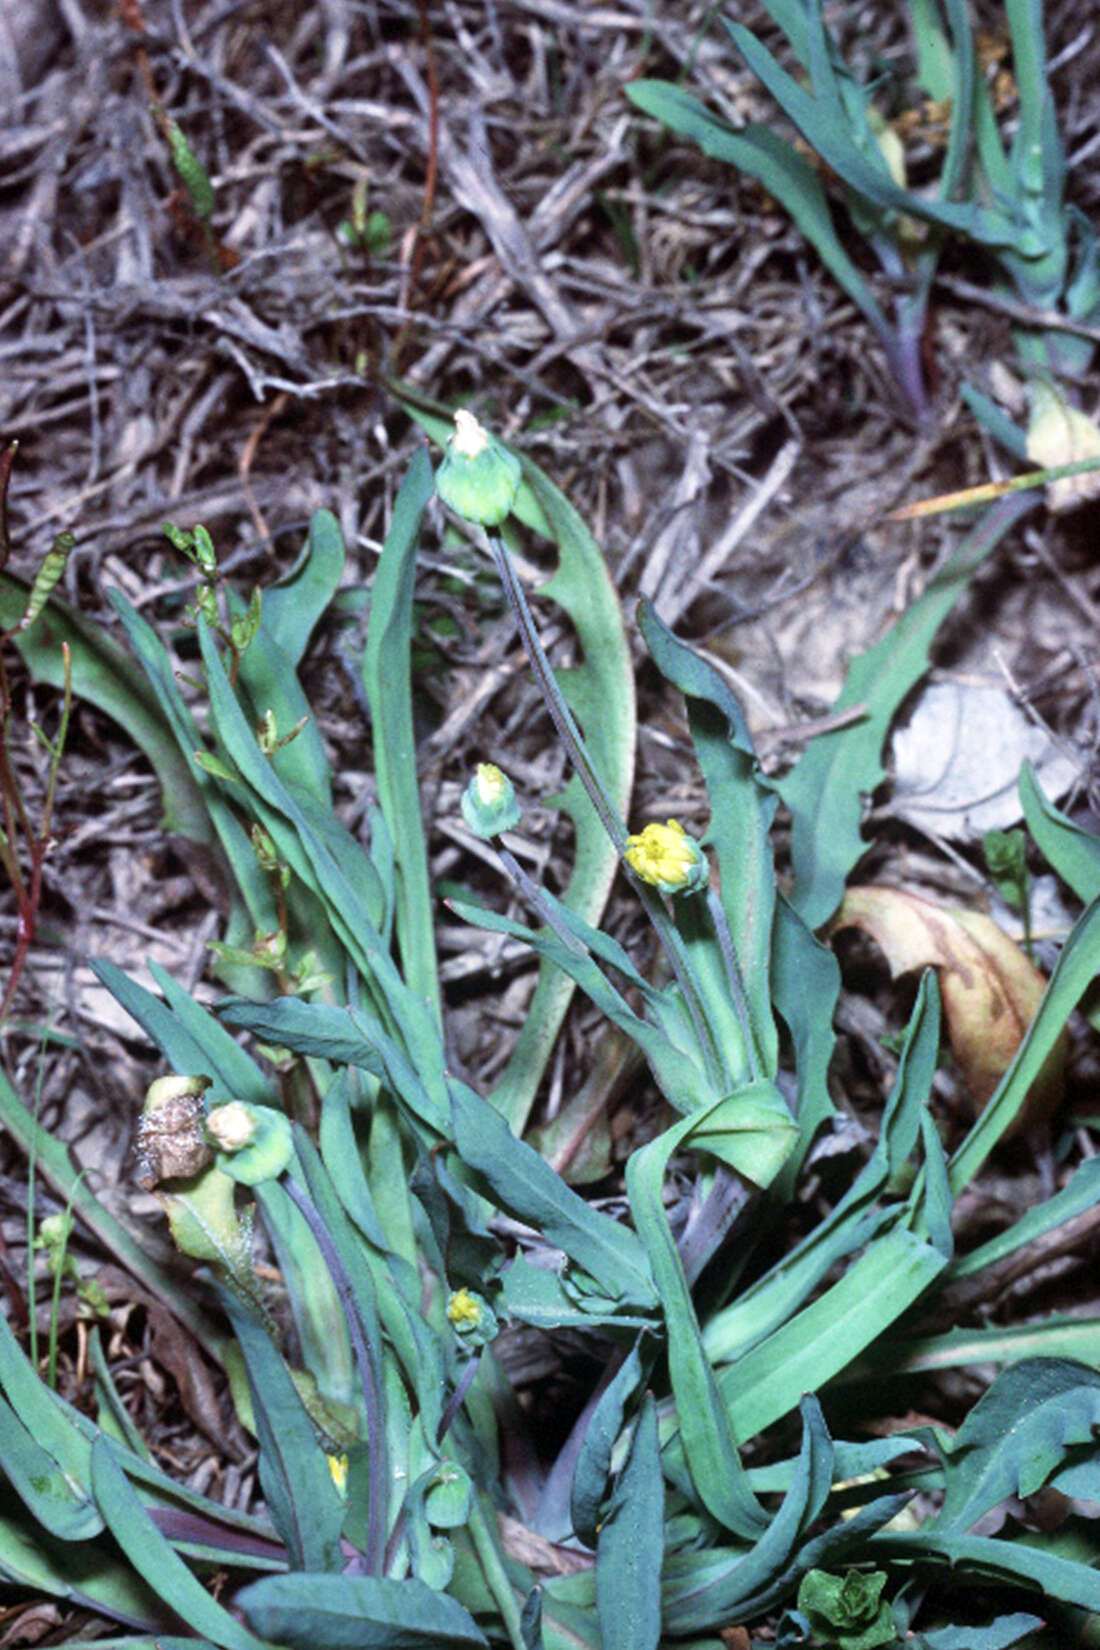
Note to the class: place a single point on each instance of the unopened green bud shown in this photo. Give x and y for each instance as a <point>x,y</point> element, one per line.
<point>479,478</point>
<point>254,1142</point>
<point>489,803</point>
<point>667,858</point>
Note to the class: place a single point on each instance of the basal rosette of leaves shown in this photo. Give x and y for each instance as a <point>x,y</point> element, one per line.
<point>705,1482</point>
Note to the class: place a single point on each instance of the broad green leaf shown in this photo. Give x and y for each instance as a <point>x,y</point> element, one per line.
<point>386,668</point>
<point>999,1635</point>
<point>526,1185</point>
<point>154,1559</point>
<point>1017,1435</point>
<point>1014,1562</point>
<point>327,1612</point>
<point>769,1561</point>
<point>106,678</point>
<point>631,1546</point>
<point>268,686</point>
<point>695,1582</point>
<point>708,1442</point>
<point>293,606</point>
<point>742,806</point>
<point>1054,1336</point>
<point>313,1297</point>
<point>825,788</point>
<point>805,978</point>
<point>294,1472</point>
<point>819,1341</point>
<point>59,1501</point>
<point>1073,853</point>
<point>594,1460</point>
<point>767,1304</point>
<point>341,1153</point>
<point>85,1573</point>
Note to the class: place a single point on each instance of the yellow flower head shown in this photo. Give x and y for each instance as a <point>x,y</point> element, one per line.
<point>492,785</point>
<point>463,1310</point>
<point>666,857</point>
<point>338,1467</point>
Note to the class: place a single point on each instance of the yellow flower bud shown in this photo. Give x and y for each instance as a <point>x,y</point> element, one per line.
<point>667,858</point>
<point>463,1310</point>
<point>338,1467</point>
<point>489,803</point>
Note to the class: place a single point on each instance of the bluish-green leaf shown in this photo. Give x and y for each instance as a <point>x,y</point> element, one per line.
<point>1016,1436</point>
<point>292,606</point>
<point>1074,853</point>
<point>154,1559</point>
<point>769,1561</point>
<point>999,1635</point>
<point>526,1185</point>
<point>325,1612</point>
<point>631,1546</point>
<point>594,1460</point>
<point>386,677</point>
<point>294,1472</point>
<point>59,1501</point>
<point>742,807</point>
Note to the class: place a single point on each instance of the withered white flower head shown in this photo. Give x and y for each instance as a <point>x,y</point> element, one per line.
<point>232,1126</point>
<point>478,478</point>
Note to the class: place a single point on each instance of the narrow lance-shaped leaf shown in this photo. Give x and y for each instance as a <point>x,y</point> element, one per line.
<point>386,676</point>
<point>631,1546</point>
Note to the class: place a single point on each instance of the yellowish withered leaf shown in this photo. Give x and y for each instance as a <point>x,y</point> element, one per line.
<point>990,988</point>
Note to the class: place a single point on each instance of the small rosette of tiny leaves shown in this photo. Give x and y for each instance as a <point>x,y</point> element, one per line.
<point>479,478</point>
<point>848,1611</point>
<point>254,1142</point>
<point>472,1318</point>
<point>667,858</point>
<point>489,803</point>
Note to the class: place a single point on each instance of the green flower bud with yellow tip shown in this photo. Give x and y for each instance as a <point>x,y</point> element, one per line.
<point>667,858</point>
<point>254,1142</point>
<point>472,1318</point>
<point>489,803</point>
<point>479,478</point>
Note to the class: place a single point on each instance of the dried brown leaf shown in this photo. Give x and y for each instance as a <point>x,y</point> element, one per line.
<point>990,989</point>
